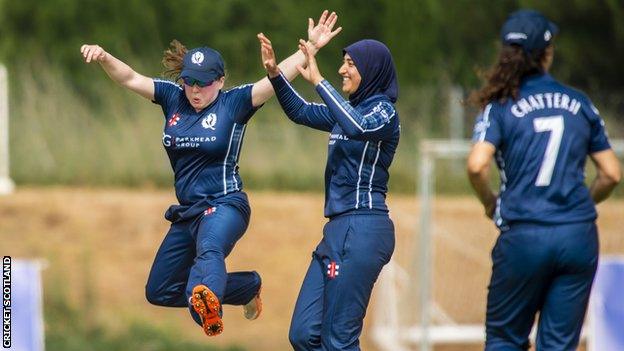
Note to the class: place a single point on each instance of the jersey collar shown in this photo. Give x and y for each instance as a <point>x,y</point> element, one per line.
<point>538,78</point>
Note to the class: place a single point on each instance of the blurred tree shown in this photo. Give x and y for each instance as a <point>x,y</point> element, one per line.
<point>432,40</point>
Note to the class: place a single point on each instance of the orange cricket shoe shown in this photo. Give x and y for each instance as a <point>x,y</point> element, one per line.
<point>207,305</point>
<point>253,308</point>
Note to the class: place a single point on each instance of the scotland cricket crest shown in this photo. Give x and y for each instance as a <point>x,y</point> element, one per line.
<point>209,121</point>
<point>197,58</point>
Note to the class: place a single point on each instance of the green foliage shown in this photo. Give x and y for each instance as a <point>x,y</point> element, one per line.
<point>430,39</point>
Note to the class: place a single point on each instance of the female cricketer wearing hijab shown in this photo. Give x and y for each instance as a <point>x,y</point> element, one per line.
<point>358,239</point>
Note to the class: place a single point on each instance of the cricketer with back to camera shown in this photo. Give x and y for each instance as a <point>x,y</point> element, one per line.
<point>540,132</point>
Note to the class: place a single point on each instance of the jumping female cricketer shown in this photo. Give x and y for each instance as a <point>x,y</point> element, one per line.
<point>203,133</point>
<point>358,239</point>
<point>540,132</point>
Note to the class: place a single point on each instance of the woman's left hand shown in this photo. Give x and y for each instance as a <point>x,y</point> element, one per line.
<point>311,73</point>
<point>321,33</point>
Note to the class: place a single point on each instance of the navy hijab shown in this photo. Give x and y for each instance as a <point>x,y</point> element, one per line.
<point>374,63</point>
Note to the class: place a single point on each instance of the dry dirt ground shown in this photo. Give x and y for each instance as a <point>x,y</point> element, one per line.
<point>106,239</point>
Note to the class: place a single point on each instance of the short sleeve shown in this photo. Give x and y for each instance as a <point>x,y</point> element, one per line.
<point>488,127</point>
<point>166,93</point>
<point>240,103</point>
<point>599,140</point>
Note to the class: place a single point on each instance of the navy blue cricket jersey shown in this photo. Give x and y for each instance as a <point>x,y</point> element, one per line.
<point>542,141</point>
<point>362,143</point>
<point>204,147</point>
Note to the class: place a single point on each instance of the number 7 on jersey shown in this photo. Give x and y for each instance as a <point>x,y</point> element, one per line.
<point>555,126</point>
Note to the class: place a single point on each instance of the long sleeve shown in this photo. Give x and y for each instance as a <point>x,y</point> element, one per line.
<point>375,123</point>
<point>300,111</point>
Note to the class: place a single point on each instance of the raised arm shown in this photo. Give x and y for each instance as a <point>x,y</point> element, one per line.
<point>300,111</point>
<point>118,71</point>
<point>318,36</point>
<point>297,109</point>
<point>374,124</point>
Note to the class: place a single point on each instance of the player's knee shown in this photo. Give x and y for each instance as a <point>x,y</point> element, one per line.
<point>210,249</point>
<point>152,296</point>
<point>156,296</point>
<point>300,337</point>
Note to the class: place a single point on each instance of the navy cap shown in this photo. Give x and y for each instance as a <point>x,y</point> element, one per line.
<point>203,64</point>
<point>529,29</point>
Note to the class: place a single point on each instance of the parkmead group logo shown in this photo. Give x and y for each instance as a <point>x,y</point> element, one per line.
<point>197,58</point>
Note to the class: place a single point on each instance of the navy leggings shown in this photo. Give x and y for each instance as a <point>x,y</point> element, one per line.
<point>193,252</point>
<point>549,269</point>
<point>335,293</point>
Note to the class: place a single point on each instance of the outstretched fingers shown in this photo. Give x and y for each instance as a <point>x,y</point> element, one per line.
<point>331,21</point>
<point>334,33</point>
<point>323,18</point>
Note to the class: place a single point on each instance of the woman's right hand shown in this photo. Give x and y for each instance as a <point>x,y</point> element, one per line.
<point>268,56</point>
<point>310,73</point>
<point>93,53</point>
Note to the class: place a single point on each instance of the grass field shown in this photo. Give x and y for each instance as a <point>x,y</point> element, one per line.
<point>100,245</point>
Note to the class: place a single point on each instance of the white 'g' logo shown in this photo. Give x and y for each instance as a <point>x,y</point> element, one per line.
<point>166,140</point>
<point>209,121</point>
<point>197,58</point>
<point>547,35</point>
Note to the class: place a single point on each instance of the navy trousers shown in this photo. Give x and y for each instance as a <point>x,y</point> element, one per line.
<point>193,252</point>
<point>545,269</point>
<point>336,290</point>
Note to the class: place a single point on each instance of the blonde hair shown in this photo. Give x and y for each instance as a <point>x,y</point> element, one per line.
<point>173,59</point>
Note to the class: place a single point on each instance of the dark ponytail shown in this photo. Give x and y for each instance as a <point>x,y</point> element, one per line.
<point>502,81</point>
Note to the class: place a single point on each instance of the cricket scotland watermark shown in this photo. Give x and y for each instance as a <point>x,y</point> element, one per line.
<point>6,302</point>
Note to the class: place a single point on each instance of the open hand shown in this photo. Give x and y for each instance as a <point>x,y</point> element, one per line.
<point>311,73</point>
<point>322,33</point>
<point>268,56</point>
<point>93,53</point>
